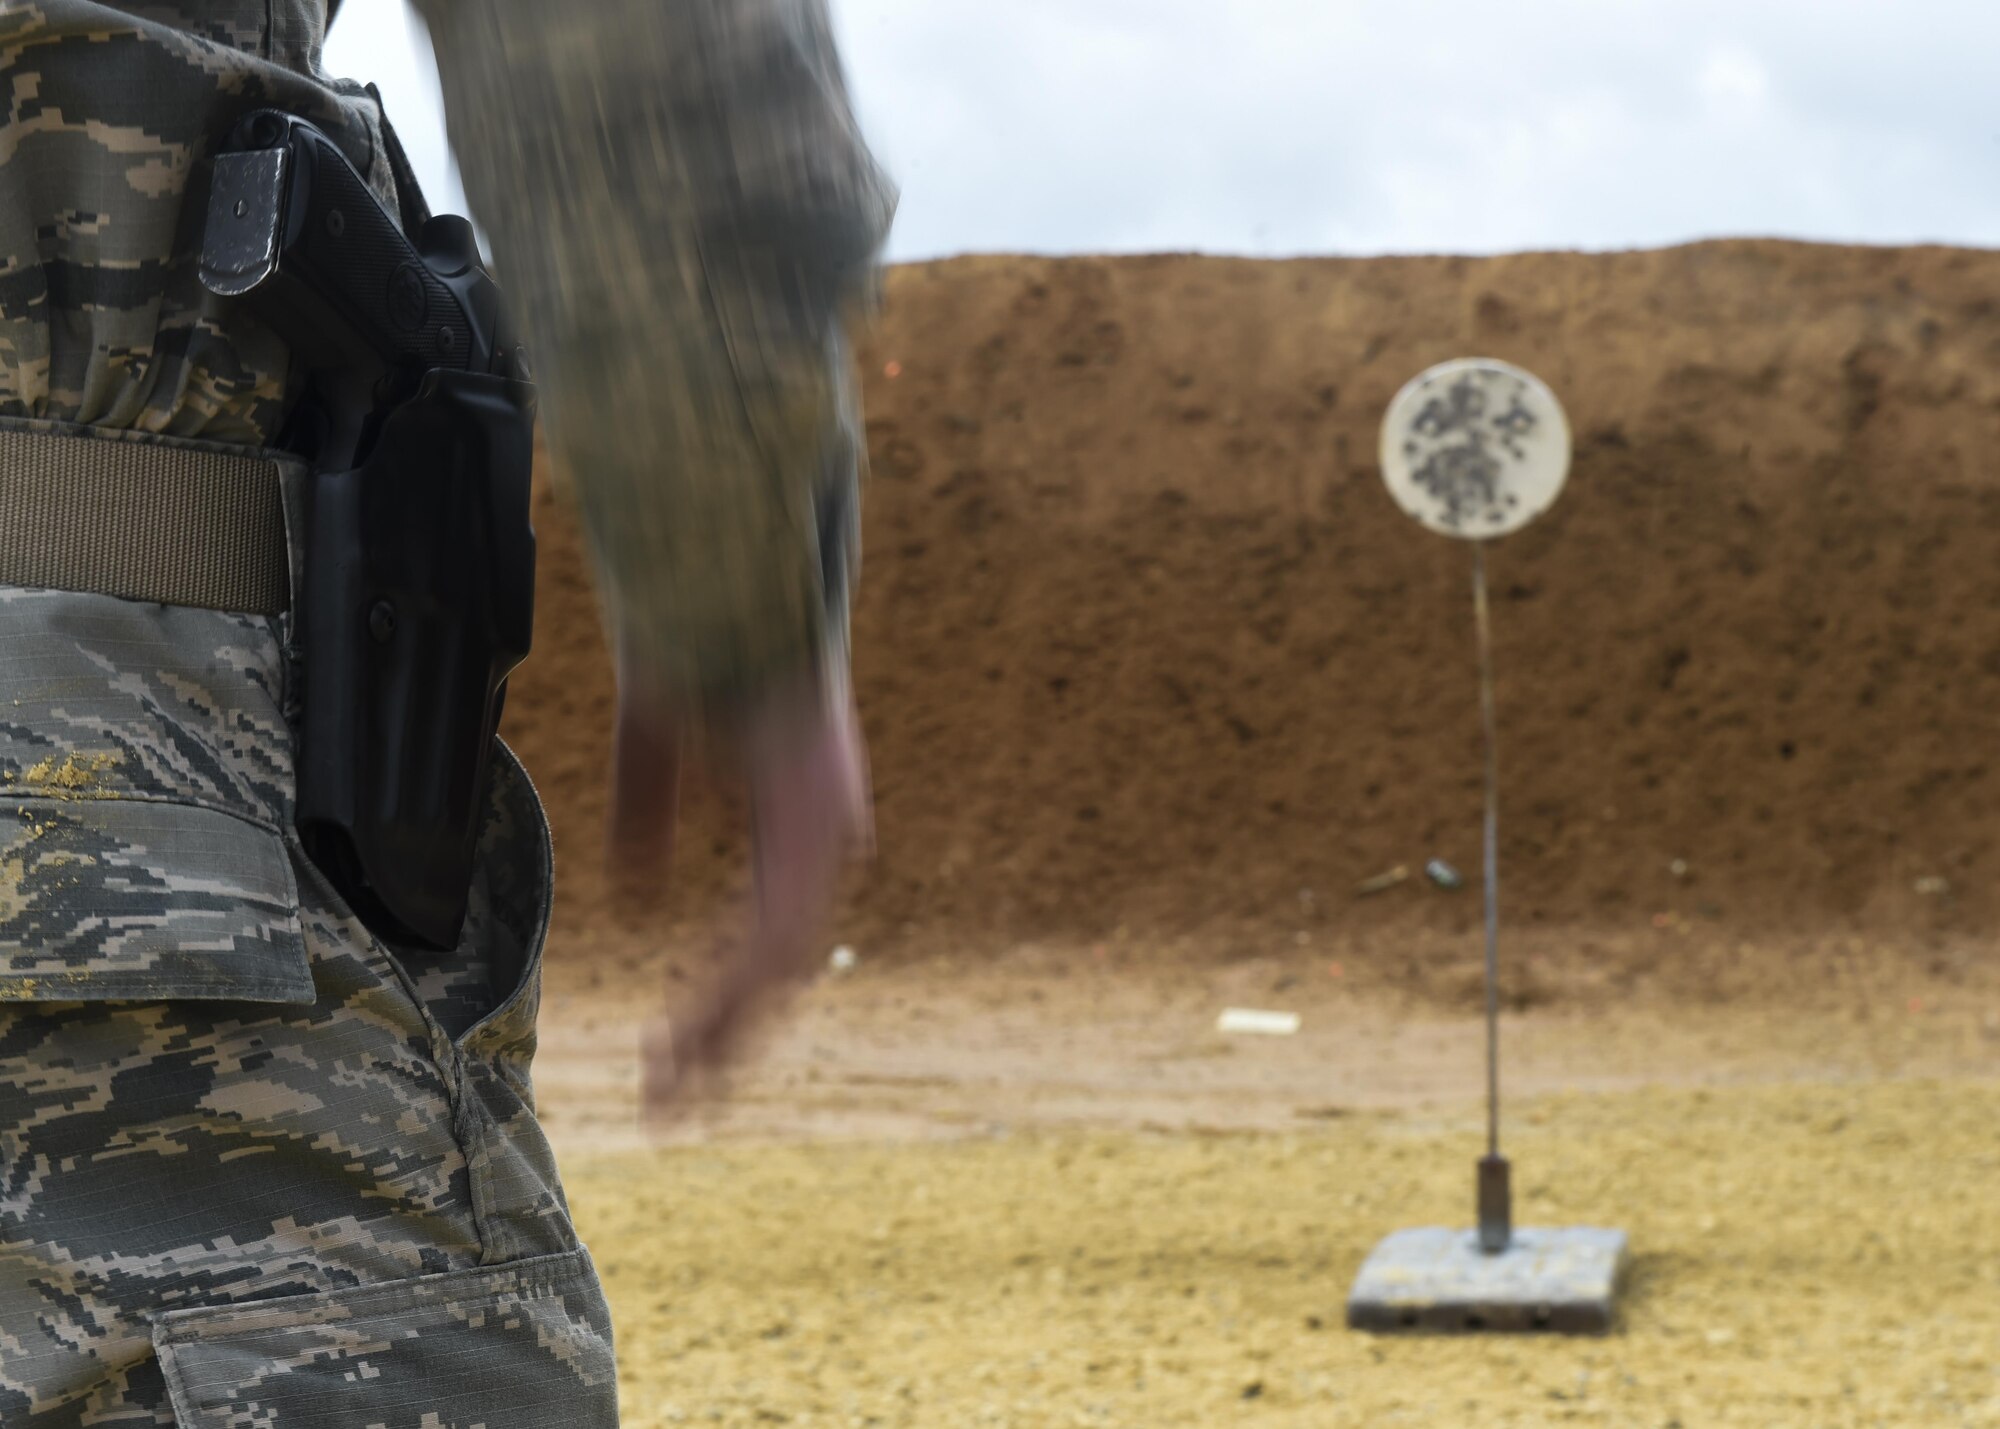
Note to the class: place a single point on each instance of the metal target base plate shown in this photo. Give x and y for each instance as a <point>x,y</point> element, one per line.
<point>1435,1281</point>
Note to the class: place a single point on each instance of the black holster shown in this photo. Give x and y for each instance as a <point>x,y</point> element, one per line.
<point>419,601</point>
<point>418,595</point>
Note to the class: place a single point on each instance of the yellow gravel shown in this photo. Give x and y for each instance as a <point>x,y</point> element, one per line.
<point>1805,1255</point>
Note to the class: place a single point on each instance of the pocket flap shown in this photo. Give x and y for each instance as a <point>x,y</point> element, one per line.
<point>520,1346</point>
<point>115,898</point>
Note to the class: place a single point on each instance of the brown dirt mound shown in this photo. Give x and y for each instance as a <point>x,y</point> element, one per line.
<point>1143,644</point>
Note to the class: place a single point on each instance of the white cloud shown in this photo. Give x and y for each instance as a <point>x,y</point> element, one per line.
<point>1733,81</point>
<point>1290,126</point>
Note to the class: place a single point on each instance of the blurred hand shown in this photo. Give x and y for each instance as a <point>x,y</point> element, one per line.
<point>810,811</point>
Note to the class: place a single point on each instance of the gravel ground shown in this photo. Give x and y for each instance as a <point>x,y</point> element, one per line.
<point>1824,1254</point>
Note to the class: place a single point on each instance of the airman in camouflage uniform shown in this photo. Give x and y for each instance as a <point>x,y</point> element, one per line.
<point>256,1168</point>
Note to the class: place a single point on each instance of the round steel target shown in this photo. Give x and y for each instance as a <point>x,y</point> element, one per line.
<point>1475,448</point>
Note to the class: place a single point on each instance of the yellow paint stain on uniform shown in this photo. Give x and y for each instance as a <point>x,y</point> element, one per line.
<point>69,986</point>
<point>19,854</point>
<point>74,776</point>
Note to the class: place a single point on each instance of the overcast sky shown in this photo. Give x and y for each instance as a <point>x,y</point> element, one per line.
<point>1385,126</point>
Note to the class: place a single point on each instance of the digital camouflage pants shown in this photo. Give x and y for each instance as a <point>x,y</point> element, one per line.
<point>255,1170</point>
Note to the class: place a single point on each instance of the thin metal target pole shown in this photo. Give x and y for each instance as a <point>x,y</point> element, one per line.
<point>1492,849</point>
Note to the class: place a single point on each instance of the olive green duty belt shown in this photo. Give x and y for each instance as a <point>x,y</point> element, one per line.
<point>142,520</point>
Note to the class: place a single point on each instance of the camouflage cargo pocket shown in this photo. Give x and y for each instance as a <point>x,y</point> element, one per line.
<point>519,1346</point>
<point>145,788</point>
<point>131,899</point>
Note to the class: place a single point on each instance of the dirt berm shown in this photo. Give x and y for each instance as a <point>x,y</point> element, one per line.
<point>1143,644</point>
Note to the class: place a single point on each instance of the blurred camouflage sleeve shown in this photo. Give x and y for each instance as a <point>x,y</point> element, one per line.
<point>682,205</point>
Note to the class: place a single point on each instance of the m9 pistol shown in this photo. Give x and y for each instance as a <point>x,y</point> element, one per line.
<point>417,596</point>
